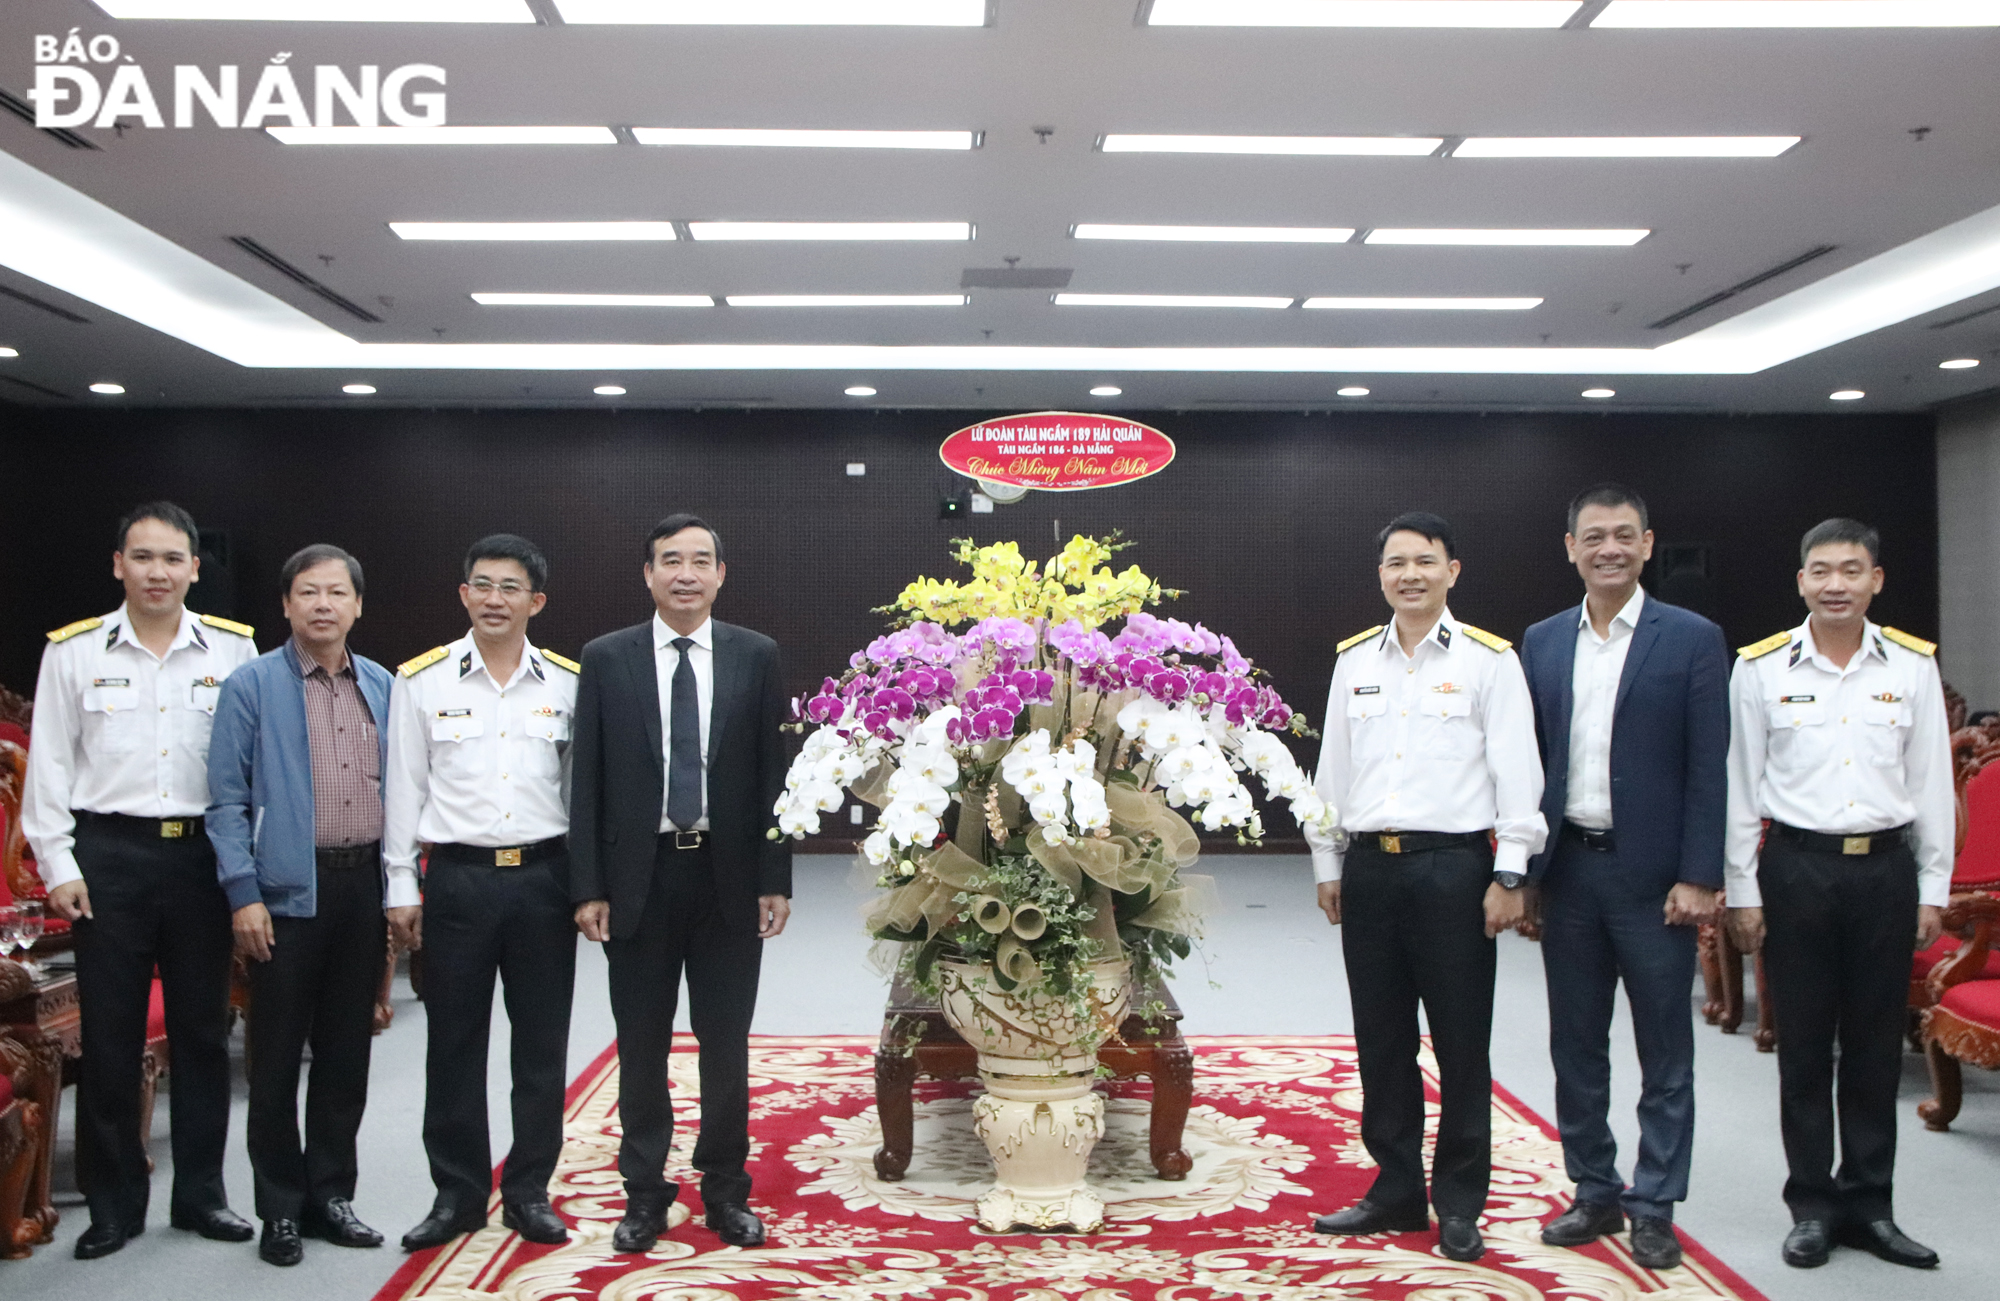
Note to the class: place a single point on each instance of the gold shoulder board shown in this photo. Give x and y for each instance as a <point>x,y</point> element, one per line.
<point>228,625</point>
<point>68,631</point>
<point>1357,639</point>
<point>1776,641</point>
<point>1907,642</point>
<point>562,663</point>
<point>1485,638</point>
<point>410,668</point>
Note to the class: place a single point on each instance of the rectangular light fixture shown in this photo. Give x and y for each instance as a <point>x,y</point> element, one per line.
<point>1624,146</point>
<point>593,300</point>
<point>1361,13</point>
<point>760,137</point>
<point>1399,235</point>
<point>848,300</point>
<point>779,13</point>
<point>444,135</point>
<point>1327,146</point>
<point>1219,234</point>
<point>325,11</point>
<point>1800,13</point>
<point>534,230</point>
<point>707,230</point>
<point>1422,304</point>
<point>1167,300</point>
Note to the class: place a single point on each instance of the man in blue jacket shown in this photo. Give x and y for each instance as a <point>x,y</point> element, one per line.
<point>1632,714</point>
<point>295,779</point>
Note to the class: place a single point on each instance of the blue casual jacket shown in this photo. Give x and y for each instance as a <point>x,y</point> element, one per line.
<point>260,789</point>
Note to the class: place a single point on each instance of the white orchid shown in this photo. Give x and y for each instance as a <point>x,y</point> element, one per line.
<point>931,731</point>
<point>907,824</point>
<point>821,795</point>
<point>797,820</point>
<point>933,764</point>
<point>878,848</point>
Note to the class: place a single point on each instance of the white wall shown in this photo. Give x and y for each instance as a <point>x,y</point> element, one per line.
<point>1968,463</point>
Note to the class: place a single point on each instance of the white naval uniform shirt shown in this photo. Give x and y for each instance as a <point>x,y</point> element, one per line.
<point>666,661</point>
<point>118,729</point>
<point>1840,751</point>
<point>1600,662</point>
<point>473,761</point>
<point>1443,740</point>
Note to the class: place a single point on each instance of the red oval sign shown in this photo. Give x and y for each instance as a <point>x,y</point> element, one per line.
<point>1058,451</point>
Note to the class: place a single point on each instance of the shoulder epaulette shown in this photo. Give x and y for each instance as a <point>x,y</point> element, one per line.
<point>1907,642</point>
<point>562,663</point>
<point>228,625</point>
<point>1776,641</point>
<point>1357,639</point>
<point>410,668</point>
<point>68,631</point>
<point>1489,640</point>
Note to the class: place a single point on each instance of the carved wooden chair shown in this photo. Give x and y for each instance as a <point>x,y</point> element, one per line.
<point>1976,868</point>
<point>1962,1024</point>
<point>28,1081</point>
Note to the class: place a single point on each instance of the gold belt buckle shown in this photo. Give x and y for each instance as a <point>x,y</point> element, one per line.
<point>1856,844</point>
<point>687,840</point>
<point>173,828</point>
<point>1391,844</point>
<point>507,857</point>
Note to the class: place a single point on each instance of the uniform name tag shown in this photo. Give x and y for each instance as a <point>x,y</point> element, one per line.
<point>454,713</point>
<point>111,682</point>
<point>1795,700</point>
<point>1367,691</point>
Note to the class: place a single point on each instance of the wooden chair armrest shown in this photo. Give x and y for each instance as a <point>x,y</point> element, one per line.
<point>1962,911</point>
<point>1965,964</point>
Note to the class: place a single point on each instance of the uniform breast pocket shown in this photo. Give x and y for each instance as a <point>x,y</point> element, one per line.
<point>1799,735</point>
<point>1885,726</point>
<point>1367,725</point>
<point>111,720</point>
<point>202,697</point>
<point>452,727</point>
<point>543,727</point>
<point>1448,729</point>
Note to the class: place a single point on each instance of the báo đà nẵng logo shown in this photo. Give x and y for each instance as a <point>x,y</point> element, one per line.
<point>90,81</point>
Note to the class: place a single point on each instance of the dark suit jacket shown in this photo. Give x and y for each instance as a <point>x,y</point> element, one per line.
<point>619,774</point>
<point>1669,741</point>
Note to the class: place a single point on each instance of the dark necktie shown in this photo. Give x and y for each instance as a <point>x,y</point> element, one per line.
<point>684,750</point>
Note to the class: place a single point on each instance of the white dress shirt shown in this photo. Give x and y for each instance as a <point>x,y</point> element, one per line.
<point>1843,751</point>
<point>119,729</point>
<point>1443,740</point>
<point>665,661</point>
<point>1600,662</point>
<point>474,761</point>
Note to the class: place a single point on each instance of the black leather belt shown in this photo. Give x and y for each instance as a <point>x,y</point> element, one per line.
<point>1872,842</point>
<point>348,857</point>
<point>1601,841</point>
<point>500,855</point>
<point>151,828</point>
<point>1413,842</point>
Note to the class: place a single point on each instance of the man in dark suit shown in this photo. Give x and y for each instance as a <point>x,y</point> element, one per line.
<point>1632,714</point>
<point>677,763</point>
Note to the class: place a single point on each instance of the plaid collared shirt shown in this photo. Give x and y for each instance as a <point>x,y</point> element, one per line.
<point>346,758</point>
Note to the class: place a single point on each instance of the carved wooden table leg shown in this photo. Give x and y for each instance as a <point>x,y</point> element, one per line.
<point>1708,941</point>
<point>1732,984</point>
<point>895,1075</point>
<point>48,1089</point>
<point>1767,1016</point>
<point>1173,1091</point>
<point>1949,1086</point>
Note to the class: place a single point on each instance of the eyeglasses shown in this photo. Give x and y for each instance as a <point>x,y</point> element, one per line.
<point>508,588</point>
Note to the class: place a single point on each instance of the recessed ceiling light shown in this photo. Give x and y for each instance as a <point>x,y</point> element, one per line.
<point>1398,235</point>
<point>593,300</point>
<point>1800,13</point>
<point>109,390</point>
<point>759,137</point>
<point>847,300</point>
<point>1423,304</point>
<point>1846,394</point>
<point>1167,300</point>
<point>859,391</point>
<point>955,230</point>
<point>1352,391</point>
<point>9,352</point>
<point>1361,13</point>
<point>1106,391</point>
<point>609,391</point>
<point>1624,146</point>
<point>443,135</point>
<point>783,13</point>
<point>358,390</point>
<point>534,230</point>
<point>1220,234</point>
<point>1959,363</point>
<point>1333,146</point>
<point>325,11</point>
<point>1600,393</point>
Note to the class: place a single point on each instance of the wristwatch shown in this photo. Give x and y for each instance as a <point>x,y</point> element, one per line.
<point>1510,880</point>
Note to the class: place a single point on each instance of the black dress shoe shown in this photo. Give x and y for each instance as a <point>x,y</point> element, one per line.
<point>334,1221</point>
<point>536,1221</point>
<point>281,1244</point>
<point>1806,1246</point>
<point>645,1220</point>
<point>439,1227</point>
<point>218,1223</point>
<point>101,1239</point>
<point>1581,1223</point>
<point>1366,1217</point>
<point>1882,1238</point>
<point>736,1224</point>
<point>1458,1238</point>
<point>1654,1244</point>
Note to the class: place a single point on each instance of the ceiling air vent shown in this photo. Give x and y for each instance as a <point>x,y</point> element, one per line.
<point>1772,273</point>
<point>292,273</point>
<point>1015,278</point>
<point>22,109</point>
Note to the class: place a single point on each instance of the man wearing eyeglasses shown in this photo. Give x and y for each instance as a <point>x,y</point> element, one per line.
<point>479,735</point>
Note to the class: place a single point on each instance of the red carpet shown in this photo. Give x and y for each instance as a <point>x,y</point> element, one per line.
<point>1275,1138</point>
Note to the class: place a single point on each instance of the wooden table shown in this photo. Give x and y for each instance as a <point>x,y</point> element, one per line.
<point>48,1021</point>
<point>1152,1048</point>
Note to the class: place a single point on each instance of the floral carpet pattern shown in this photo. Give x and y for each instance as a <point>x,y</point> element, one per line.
<point>1275,1137</point>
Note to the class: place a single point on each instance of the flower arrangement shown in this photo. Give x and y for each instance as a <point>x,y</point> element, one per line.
<point>1029,768</point>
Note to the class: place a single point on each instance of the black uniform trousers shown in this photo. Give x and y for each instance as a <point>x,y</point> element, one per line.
<point>155,903</point>
<point>1413,930</point>
<point>684,928</point>
<point>517,923</point>
<point>1839,933</point>
<point>318,988</point>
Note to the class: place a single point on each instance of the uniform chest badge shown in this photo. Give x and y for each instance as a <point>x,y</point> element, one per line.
<point>1447,688</point>
<point>1367,691</point>
<point>1796,700</point>
<point>111,682</point>
<point>454,713</point>
<point>546,711</point>
<point>206,682</point>
<point>1888,698</point>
